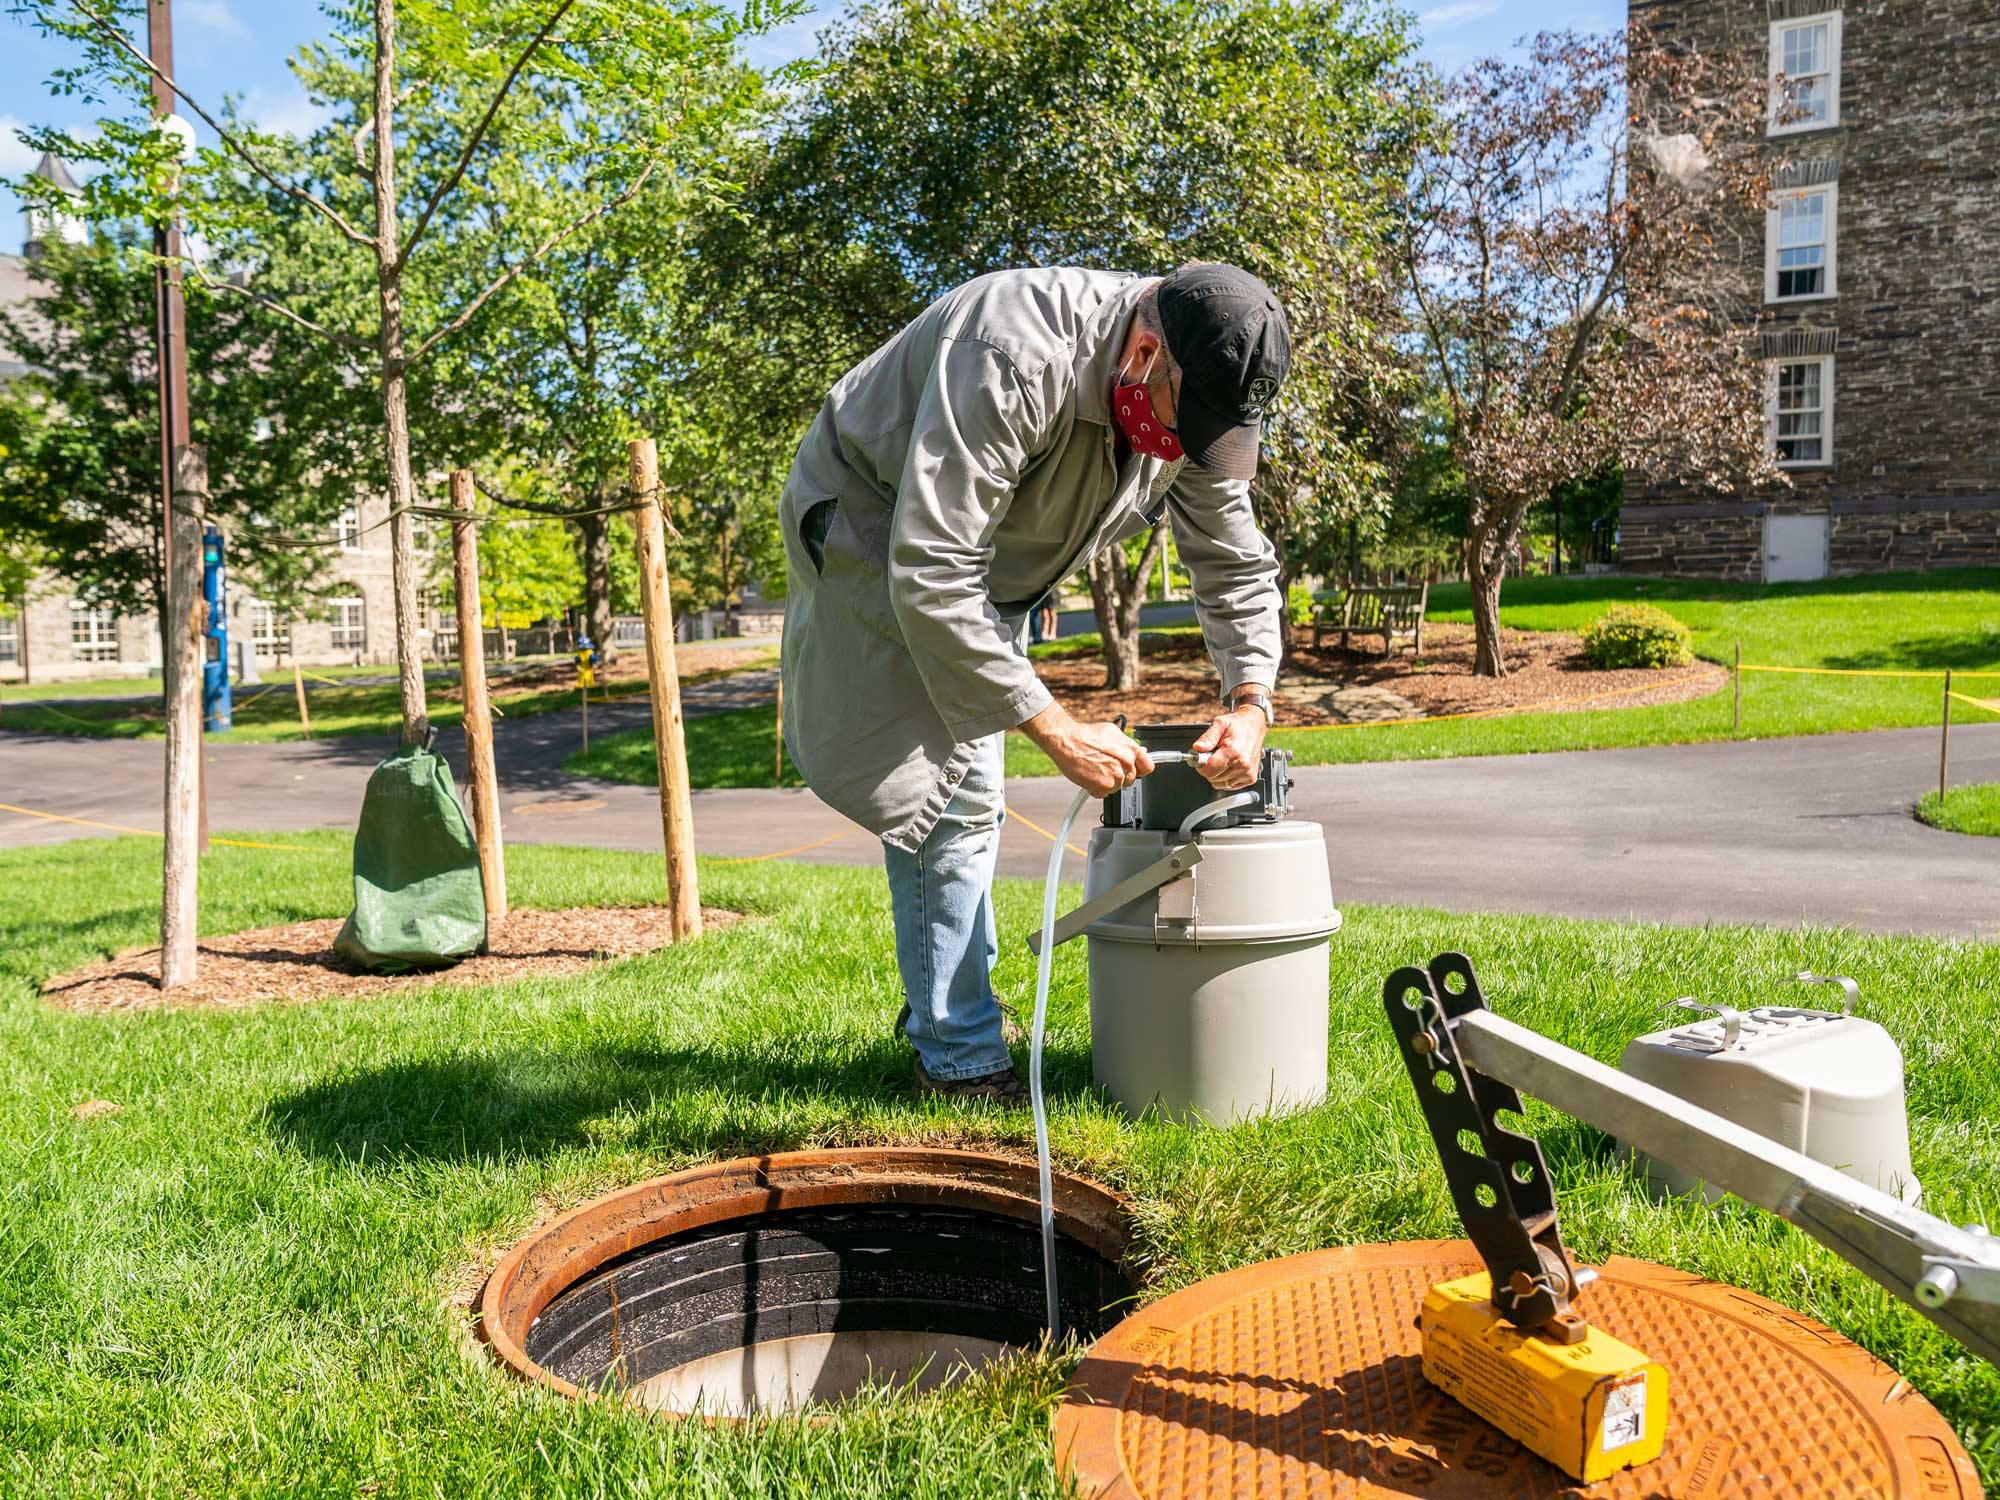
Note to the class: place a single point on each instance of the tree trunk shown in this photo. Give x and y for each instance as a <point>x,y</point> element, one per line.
<point>183,620</point>
<point>596,531</point>
<point>1495,528</point>
<point>1486,658</point>
<point>1116,594</point>
<point>395,407</point>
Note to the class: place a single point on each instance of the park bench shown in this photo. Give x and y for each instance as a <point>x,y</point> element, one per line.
<point>1394,612</point>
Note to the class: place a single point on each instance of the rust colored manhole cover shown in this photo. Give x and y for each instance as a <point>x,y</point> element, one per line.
<point>1300,1378</point>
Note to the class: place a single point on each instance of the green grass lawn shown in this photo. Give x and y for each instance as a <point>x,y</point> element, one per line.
<point>269,712</point>
<point>1965,809</point>
<point>135,687</point>
<point>1898,622</point>
<point>237,1285</point>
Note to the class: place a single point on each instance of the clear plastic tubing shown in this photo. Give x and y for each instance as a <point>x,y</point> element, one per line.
<point>1045,959</point>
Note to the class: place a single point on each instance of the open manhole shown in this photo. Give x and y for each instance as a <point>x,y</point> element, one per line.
<point>773,1281</point>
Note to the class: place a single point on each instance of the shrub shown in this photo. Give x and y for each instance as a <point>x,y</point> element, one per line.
<point>1636,635</point>
<point>1299,604</point>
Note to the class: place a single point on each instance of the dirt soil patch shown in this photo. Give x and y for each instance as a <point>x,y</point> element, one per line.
<point>1546,671</point>
<point>297,961</point>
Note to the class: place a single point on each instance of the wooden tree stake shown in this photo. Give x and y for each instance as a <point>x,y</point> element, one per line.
<point>1944,742</point>
<point>187,617</point>
<point>299,692</point>
<point>778,749</point>
<point>484,786</point>
<point>676,810</point>
<point>1739,687</point>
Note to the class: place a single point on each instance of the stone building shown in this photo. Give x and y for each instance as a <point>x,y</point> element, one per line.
<point>61,636</point>
<point>1880,326</point>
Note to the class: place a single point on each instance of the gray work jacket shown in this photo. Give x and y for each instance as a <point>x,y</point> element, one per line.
<point>950,480</point>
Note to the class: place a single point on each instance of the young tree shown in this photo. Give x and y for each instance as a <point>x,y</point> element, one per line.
<point>390,203</point>
<point>948,141</point>
<point>1566,262</point>
<point>79,444</point>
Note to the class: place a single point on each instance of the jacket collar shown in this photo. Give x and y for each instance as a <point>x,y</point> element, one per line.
<point>1099,345</point>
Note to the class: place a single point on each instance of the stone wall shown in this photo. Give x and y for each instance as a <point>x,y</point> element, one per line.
<point>1694,541</point>
<point>1893,536</point>
<point>1914,334</point>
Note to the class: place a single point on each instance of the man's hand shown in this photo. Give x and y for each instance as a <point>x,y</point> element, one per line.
<point>1098,756</point>
<point>1235,746</point>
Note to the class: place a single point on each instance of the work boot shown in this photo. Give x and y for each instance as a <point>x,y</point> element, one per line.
<point>1010,1024</point>
<point>1003,1086</point>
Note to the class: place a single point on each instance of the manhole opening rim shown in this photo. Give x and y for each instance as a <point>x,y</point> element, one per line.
<point>559,1255</point>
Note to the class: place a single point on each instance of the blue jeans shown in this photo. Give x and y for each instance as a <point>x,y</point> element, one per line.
<point>942,901</point>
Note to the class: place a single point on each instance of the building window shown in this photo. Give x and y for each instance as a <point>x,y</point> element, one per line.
<point>1807,55</point>
<point>270,632</point>
<point>1799,244</point>
<point>10,638</point>
<point>347,530</point>
<point>1801,411</point>
<point>350,625</point>
<point>93,633</point>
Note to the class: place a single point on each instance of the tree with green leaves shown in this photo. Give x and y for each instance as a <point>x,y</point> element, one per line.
<point>527,570</point>
<point>384,234</point>
<point>79,434</point>
<point>608,335</point>
<point>947,141</point>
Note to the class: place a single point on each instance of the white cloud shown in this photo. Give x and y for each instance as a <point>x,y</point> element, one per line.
<point>212,16</point>
<point>285,110</point>
<point>15,157</point>
<point>1439,17</point>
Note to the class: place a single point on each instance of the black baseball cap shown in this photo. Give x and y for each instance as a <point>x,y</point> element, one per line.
<point>1229,336</point>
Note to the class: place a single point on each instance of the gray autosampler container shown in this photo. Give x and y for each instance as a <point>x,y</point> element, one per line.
<point>1208,992</point>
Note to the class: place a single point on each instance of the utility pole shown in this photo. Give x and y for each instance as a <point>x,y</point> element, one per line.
<point>170,347</point>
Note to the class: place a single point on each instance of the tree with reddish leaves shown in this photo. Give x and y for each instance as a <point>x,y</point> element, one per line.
<point>1575,272</point>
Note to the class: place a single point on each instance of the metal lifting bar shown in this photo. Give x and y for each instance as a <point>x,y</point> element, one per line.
<point>1948,1273</point>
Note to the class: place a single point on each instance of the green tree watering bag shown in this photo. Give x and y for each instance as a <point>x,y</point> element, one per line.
<point>419,901</point>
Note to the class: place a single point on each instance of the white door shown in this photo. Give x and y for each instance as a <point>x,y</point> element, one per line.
<point>1794,548</point>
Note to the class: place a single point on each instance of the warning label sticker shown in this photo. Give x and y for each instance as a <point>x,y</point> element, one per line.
<point>1624,1414</point>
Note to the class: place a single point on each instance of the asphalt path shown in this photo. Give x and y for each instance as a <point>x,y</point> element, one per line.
<point>1772,832</point>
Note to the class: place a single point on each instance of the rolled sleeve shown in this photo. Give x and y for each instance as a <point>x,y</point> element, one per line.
<point>975,428</point>
<point>1235,574</point>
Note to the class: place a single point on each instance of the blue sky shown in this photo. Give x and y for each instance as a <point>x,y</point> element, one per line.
<point>241,46</point>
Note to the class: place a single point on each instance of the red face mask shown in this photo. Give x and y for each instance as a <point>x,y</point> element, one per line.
<point>1132,405</point>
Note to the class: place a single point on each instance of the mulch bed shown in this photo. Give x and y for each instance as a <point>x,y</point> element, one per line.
<point>297,962</point>
<point>1546,670</point>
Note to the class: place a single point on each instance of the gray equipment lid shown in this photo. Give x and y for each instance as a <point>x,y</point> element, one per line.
<point>1258,883</point>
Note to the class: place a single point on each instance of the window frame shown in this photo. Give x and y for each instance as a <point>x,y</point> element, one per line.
<point>1826,364</point>
<point>12,628</point>
<point>103,633</point>
<point>277,644</point>
<point>1774,219</point>
<point>360,626</point>
<point>1832,21</point>
<point>346,533</point>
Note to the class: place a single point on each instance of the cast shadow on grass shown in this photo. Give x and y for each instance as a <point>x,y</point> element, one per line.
<point>484,1107</point>
<point>1964,651</point>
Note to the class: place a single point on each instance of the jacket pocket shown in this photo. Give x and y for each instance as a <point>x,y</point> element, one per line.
<point>813,527</point>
